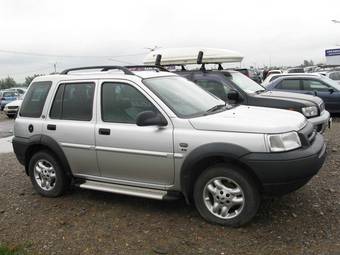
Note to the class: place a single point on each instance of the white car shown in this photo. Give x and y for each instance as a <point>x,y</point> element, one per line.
<point>11,109</point>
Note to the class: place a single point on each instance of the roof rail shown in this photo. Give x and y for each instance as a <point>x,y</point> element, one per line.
<point>103,69</point>
<point>160,68</point>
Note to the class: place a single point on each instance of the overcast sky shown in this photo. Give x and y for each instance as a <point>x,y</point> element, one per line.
<point>70,32</point>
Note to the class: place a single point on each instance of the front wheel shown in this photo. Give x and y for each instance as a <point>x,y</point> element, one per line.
<point>226,195</point>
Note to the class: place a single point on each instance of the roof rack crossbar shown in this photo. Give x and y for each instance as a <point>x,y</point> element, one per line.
<point>158,60</point>
<point>102,69</point>
<point>160,68</point>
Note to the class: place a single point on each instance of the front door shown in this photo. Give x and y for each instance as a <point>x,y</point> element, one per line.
<point>125,151</point>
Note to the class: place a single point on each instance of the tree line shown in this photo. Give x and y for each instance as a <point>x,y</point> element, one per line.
<point>9,82</point>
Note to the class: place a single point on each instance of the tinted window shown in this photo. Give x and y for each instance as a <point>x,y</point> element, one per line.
<point>122,103</point>
<point>35,98</point>
<point>214,87</point>
<point>314,85</point>
<point>289,84</point>
<point>73,101</point>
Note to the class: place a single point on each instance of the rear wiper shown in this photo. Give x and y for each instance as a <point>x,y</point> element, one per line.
<point>216,107</point>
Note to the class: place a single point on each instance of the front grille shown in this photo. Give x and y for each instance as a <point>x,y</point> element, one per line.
<point>12,107</point>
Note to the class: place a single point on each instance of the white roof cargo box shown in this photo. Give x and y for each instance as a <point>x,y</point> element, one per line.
<point>185,56</point>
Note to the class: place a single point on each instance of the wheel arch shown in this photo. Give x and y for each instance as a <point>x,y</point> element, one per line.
<point>47,143</point>
<point>207,155</point>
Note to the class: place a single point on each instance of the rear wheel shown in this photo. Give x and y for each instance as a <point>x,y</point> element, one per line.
<point>226,195</point>
<point>46,174</point>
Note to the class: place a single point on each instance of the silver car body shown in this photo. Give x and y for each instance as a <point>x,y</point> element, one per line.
<point>134,151</point>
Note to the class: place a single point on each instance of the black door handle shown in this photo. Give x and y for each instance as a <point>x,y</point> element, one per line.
<point>104,131</point>
<point>51,127</point>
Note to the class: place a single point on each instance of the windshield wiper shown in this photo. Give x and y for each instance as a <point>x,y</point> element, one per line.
<point>260,91</point>
<point>216,107</point>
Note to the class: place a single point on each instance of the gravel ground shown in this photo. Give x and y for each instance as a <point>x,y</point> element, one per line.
<point>88,222</point>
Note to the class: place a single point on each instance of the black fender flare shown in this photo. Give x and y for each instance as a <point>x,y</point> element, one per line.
<point>23,148</point>
<point>227,151</point>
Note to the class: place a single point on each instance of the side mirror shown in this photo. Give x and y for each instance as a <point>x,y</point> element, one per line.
<point>233,95</point>
<point>150,118</point>
<point>331,90</point>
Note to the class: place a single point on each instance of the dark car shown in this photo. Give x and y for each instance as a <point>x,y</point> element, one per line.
<point>251,73</point>
<point>234,87</point>
<point>321,86</point>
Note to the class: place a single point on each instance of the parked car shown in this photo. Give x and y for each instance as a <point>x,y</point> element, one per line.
<point>272,77</point>
<point>273,71</point>
<point>20,90</point>
<point>160,136</point>
<point>321,86</point>
<point>11,109</point>
<point>7,96</point>
<point>334,75</point>
<point>252,74</point>
<point>296,70</point>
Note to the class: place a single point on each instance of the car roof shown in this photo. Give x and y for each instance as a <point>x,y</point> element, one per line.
<point>138,75</point>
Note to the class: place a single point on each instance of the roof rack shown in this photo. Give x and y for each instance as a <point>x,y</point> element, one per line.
<point>158,68</point>
<point>103,69</point>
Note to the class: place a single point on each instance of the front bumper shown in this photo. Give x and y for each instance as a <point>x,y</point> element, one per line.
<point>10,111</point>
<point>281,173</point>
<point>321,122</point>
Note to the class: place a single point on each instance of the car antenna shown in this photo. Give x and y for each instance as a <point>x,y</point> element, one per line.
<point>158,60</point>
<point>200,60</point>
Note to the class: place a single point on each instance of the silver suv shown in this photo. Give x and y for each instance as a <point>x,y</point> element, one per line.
<point>157,135</point>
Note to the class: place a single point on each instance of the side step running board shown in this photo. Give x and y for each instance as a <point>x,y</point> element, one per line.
<point>125,190</point>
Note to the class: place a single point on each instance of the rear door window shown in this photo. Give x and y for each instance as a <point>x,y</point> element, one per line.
<point>314,85</point>
<point>73,101</point>
<point>290,84</point>
<point>35,98</point>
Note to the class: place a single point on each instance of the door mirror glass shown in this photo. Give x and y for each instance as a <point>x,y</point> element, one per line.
<point>233,95</point>
<point>150,118</point>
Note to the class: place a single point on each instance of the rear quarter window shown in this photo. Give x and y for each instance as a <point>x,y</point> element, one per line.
<point>35,98</point>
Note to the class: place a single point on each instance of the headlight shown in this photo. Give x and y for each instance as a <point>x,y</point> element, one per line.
<point>283,142</point>
<point>310,111</point>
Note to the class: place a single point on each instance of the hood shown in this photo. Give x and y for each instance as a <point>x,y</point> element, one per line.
<point>251,119</point>
<point>297,97</point>
<point>15,103</point>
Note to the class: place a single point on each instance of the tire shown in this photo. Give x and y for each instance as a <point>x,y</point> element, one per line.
<point>48,160</point>
<point>230,210</point>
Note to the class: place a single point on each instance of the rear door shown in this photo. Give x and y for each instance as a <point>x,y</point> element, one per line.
<point>71,121</point>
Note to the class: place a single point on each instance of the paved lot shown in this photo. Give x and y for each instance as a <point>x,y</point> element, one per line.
<point>88,222</point>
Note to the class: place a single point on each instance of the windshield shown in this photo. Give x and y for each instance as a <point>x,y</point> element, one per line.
<point>331,82</point>
<point>245,83</point>
<point>183,97</point>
